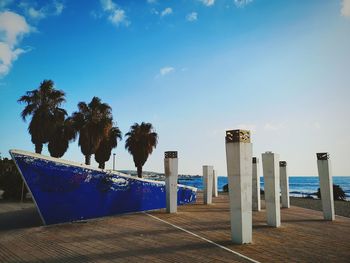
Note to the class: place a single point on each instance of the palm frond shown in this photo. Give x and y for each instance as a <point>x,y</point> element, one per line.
<point>43,104</point>
<point>141,139</point>
<point>28,110</point>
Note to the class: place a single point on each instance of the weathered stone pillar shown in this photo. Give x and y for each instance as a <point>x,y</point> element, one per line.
<point>215,184</point>
<point>326,185</point>
<point>208,183</point>
<point>256,186</point>
<point>271,171</point>
<point>239,172</point>
<point>284,183</point>
<point>171,175</point>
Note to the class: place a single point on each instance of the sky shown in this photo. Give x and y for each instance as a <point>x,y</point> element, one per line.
<point>194,69</point>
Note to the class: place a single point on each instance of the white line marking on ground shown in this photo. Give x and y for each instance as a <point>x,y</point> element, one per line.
<point>203,238</point>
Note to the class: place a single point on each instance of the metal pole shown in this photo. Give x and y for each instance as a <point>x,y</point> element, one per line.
<point>22,191</point>
<point>113,161</point>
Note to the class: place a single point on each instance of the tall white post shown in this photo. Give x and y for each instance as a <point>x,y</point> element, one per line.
<point>284,183</point>
<point>239,172</point>
<point>256,186</point>
<point>171,175</point>
<point>208,183</point>
<point>271,171</point>
<point>215,184</point>
<point>326,185</point>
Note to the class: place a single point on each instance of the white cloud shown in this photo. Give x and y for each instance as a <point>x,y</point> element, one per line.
<point>166,11</point>
<point>208,2</point>
<point>36,14</point>
<point>192,17</point>
<point>242,3</point>
<point>59,7</point>
<point>249,127</point>
<point>166,70</point>
<point>345,10</point>
<point>4,3</point>
<point>12,28</point>
<point>274,126</point>
<point>116,15</point>
<point>53,8</point>
<point>95,14</point>
<point>7,57</point>
<point>108,5</point>
<point>154,11</point>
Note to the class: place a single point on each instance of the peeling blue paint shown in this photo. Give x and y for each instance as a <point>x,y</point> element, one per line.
<point>66,192</point>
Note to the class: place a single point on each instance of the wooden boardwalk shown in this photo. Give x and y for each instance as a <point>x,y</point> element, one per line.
<point>197,233</point>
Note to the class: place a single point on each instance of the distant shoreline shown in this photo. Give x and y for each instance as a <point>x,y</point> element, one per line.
<point>342,208</point>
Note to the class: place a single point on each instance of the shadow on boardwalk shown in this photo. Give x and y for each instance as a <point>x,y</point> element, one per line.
<point>151,237</point>
<point>15,216</point>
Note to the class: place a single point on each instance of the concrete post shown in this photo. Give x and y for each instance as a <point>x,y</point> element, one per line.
<point>215,184</point>
<point>239,172</point>
<point>256,186</point>
<point>208,183</point>
<point>271,171</point>
<point>326,185</point>
<point>284,183</point>
<point>171,175</point>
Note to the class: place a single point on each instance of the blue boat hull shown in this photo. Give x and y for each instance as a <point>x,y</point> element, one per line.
<point>65,192</point>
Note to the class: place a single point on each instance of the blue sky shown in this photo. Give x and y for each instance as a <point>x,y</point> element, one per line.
<point>193,68</point>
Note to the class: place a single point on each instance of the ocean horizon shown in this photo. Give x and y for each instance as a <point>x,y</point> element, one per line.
<point>299,186</point>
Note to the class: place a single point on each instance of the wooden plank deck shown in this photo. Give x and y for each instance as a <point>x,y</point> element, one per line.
<point>194,234</point>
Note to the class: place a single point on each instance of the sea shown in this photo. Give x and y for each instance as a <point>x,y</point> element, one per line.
<point>299,186</point>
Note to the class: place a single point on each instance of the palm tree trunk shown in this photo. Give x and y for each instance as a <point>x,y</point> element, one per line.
<point>38,148</point>
<point>101,165</point>
<point>88,159</point>
<point>139,171</point>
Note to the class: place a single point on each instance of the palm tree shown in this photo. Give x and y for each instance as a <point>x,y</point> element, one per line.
<point>63,134</point>
<point>93,122</point>
<point>43,104</point>
<point>140,143</point>
<point>104,151</point>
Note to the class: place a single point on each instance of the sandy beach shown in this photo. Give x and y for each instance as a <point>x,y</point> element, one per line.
<point>342,208</point>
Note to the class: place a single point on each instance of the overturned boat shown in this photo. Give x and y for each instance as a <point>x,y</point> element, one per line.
<point>65,191</point>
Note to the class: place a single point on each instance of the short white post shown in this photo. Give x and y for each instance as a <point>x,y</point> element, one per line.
<point>326,185</point>
<point>215,184</point>
<point>284,181</point>
<point>256,185</point>
<point>208,183</point>
<point>171,175</point>
<point>271,171</point>
<point>239,172</point>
